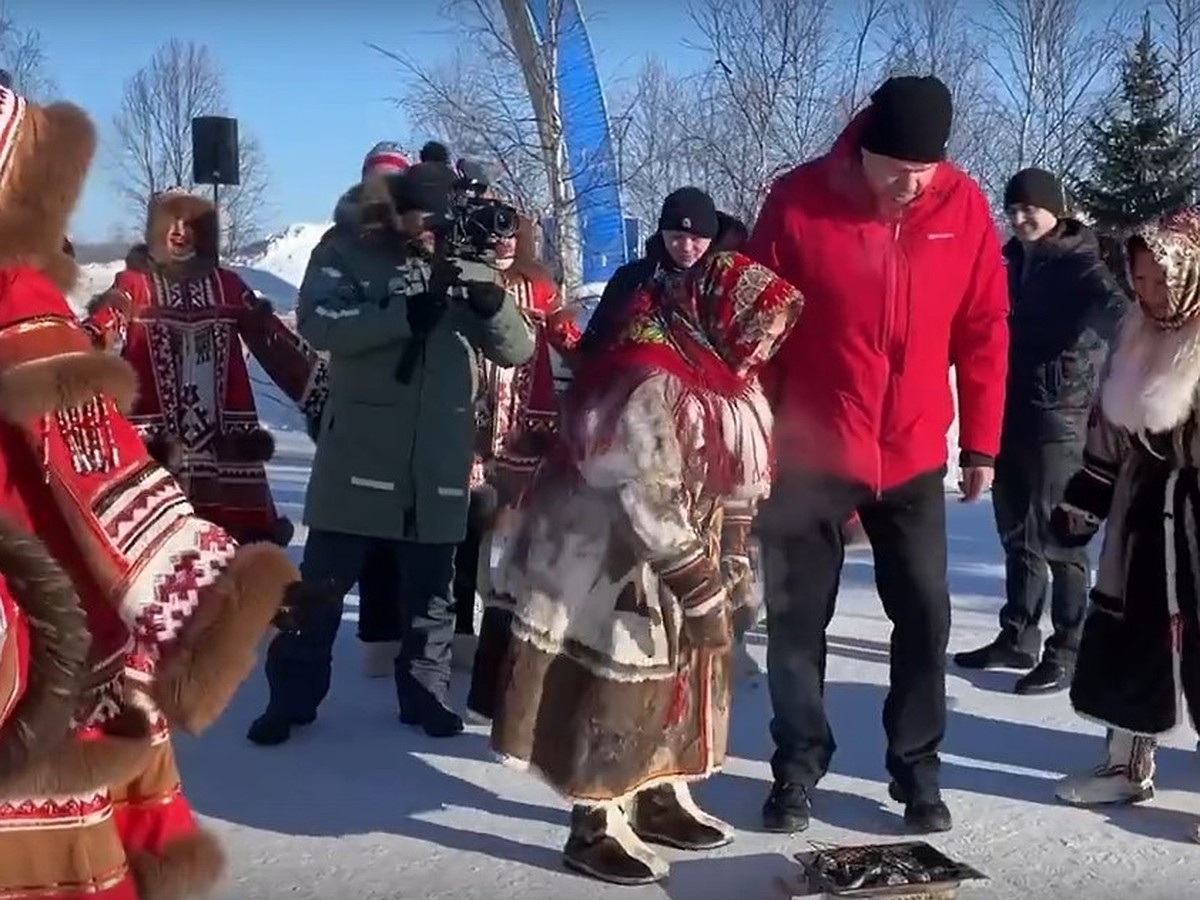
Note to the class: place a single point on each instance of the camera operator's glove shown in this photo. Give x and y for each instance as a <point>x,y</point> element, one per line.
<point>484,294</point>
<point>424,312</point>
<point>697,586</point>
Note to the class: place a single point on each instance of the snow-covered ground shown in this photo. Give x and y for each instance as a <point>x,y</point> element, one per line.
<point>359,806</point>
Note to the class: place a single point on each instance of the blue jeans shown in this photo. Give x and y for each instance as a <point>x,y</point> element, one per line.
<point>299,665</point>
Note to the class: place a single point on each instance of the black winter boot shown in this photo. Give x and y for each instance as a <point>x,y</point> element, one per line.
<point>922,815</point>
<point>787,809</point>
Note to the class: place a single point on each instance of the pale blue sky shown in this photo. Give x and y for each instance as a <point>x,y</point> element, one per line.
<point>299,75</point>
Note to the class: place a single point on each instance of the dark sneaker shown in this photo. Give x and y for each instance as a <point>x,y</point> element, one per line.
<point>787,809</point>
<point>272,729</point>
<point>1046,677</point>
<point>999,654</point>
<point>922,815</point>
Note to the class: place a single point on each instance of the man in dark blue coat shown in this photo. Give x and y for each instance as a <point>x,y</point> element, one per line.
<point>1065,308</point>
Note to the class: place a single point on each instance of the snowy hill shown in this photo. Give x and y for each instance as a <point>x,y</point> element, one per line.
<point>275,267</point>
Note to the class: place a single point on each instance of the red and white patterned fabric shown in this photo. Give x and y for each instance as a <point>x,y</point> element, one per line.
<point>183,336</point>
<point>75,472</point>
<point>12,116</point>
<point>519,407</point>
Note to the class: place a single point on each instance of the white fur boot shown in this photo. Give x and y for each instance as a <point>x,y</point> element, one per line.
<point>1125,776</point>
<point>379,658</point>
<point>603,845</point>
<point>462,657</point>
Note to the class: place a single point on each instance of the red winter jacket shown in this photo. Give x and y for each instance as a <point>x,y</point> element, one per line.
<point>861,388</point>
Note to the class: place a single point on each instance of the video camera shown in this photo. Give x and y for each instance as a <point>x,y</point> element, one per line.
<point>475,223</point>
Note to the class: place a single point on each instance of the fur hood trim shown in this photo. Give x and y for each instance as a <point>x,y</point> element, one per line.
<point>1153,376</point>
<point>200,214</point>
<point>59,644</point>
<point>51,157</point>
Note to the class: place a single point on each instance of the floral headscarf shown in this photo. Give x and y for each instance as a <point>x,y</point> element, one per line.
<point>1174,242</point>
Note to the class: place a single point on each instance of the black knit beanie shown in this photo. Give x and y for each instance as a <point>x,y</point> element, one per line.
<point>910,119</point>
<point>425,187</point>
<point>1036,187</point>
<point>689,209</point>
<point>434,151</point>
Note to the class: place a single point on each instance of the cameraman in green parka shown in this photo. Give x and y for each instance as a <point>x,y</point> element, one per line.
<point>396,437</point>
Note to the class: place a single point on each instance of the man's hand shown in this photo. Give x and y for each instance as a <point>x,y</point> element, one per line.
<point>975,482</point>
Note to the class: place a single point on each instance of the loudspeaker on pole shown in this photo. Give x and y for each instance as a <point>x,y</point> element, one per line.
<point>215,158</point>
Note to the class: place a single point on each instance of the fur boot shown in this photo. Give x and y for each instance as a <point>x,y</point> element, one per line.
<point>603,845</point>
<point>462,658</point>
<point>668,815</point>
<point>379,658</point>
<point>1125,776</point>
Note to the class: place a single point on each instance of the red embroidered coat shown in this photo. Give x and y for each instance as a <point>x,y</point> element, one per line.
<point>174,610</point>
<point>181,325</point>
<point>519,406</point>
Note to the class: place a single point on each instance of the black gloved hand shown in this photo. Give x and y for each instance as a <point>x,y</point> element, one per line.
<point>485,298</point>
<point>484,292</point>
<point>1071,526</point>
<point>424,312</point>
<point>302,605</point>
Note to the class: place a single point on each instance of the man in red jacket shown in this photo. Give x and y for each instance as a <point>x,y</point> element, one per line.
<point>899,263</point>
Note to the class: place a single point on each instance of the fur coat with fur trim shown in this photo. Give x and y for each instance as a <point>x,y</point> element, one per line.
<point>601,694</point>
<point>1140,650</point>
<point>126,611</point>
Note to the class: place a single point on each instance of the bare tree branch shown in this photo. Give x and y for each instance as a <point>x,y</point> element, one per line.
<point>1179,20</point>
<point>23,57</point>
<point>1054,72</point>
<point>499,100</point>
<point>935,37</point>
<point>769,99</point>
<point>656,137</point>
<point>153,131</point>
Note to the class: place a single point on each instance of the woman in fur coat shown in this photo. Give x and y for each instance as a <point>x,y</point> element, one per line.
<point>1140,651</point>
<point>616,687</point>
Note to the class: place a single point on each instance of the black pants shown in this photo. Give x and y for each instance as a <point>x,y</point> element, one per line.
<point>379,600</point>
<point>800,528</point>
<point>379,584</point>
<point>298,665</point>
<point>1029,483</point>
<point>466,579</point>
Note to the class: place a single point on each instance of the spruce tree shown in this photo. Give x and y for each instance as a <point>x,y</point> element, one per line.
<point>1143,159</point>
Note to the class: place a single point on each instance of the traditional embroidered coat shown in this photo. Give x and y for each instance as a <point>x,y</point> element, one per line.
<point>181,326</point>
<point>174,609</point>
<point>602,694</point>
<point>1140,650</point>
<point>519,406</point>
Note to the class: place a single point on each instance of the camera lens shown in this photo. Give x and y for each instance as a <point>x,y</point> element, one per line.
<point>504,222</point>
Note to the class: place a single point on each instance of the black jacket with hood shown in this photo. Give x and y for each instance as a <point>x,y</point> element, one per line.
<point>1065,306</point>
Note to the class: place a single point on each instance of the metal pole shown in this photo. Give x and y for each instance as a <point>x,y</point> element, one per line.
<point>217,205</point>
